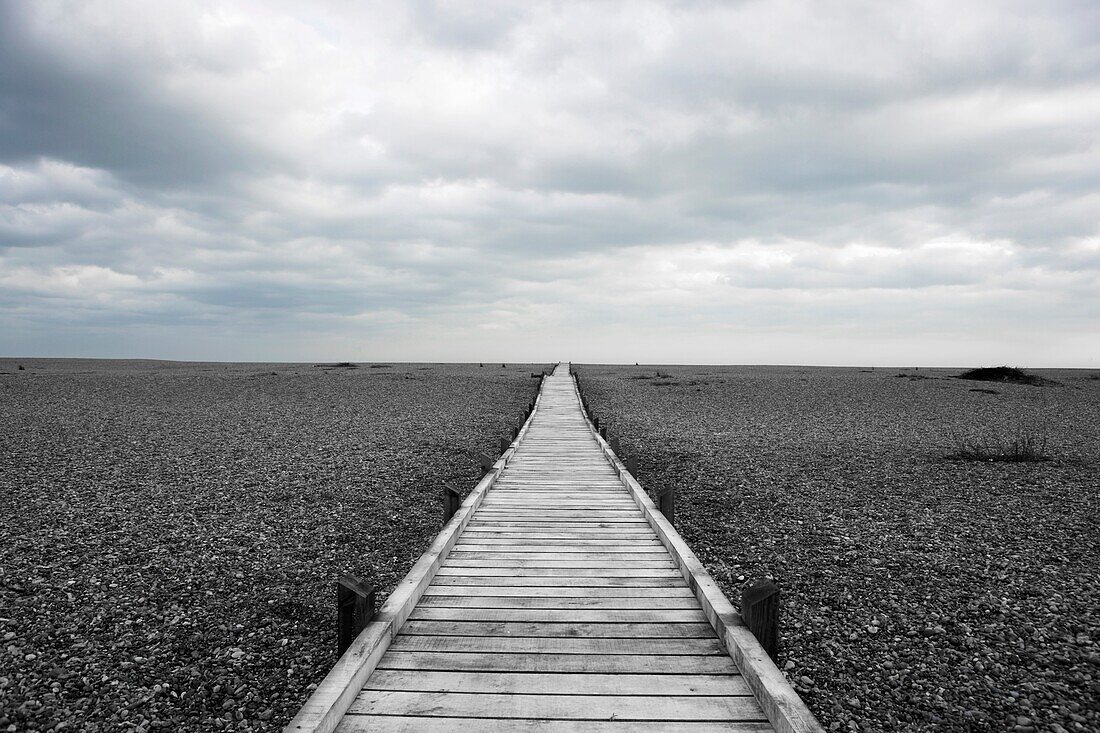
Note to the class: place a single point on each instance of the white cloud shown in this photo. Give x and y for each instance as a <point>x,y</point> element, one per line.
<point>435,179</point>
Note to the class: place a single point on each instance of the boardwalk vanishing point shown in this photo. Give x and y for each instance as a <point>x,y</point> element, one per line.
<point>556,599</point>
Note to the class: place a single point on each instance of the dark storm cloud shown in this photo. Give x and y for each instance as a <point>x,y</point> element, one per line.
<point>107,117</point>
<point>435,178</point>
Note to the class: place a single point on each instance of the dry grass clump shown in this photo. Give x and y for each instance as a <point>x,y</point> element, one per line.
<point>1026,444</point>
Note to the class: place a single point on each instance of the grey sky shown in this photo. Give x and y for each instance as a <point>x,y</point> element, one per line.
<point>745,182</point>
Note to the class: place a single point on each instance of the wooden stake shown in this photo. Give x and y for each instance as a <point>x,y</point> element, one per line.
<point>760,611</point>
<point>452,500</point>
<point>354,610</point>
<point>666,503</point>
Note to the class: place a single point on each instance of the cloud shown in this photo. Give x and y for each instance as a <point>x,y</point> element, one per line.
<point>442,181</point>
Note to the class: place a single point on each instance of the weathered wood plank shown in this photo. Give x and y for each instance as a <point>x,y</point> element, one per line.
<point>573,615</point>
<point>421,724</point>
<point>496,561</point>
<point>540,645</point>
<point>602,629</point>
<point>679,590</point>
<point>674,581</point>
<point>546,552</point>
<point>567,663</point>
<point>517,572</point>
<point>566,602</point>
<point>558,707</point>
<point>558,684</point>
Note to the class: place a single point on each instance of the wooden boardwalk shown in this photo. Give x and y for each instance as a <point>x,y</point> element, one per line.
<point>558,603</point>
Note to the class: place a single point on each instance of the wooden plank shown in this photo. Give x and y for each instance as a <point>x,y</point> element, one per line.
<point>558,684</point>
<point>679,590</point>
<point>604,572</point>
<point>567,561</point>
<point>542,645</point>
<point>565,602</point>
<point>562,663</point>
<point>551,515</point>
<point>566,552</point>
<point>574,615</point>
<point>515,522</point>
<point>558,707</point>
<point>558,544</point>
<point>602,629</point>
<point>422,724</point>
<point>674,581</point>
<point>579,530</point>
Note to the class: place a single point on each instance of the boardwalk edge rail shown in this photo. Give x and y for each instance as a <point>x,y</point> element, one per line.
<point>785,709</point>
<point>324,709</point>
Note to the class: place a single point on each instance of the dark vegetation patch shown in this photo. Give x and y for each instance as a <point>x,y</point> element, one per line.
<point>656,375</point>
<point>1004,374</point>
<point>913,377</point>
<point>918,593</point>
<point>171,534</point>
<point>983,391</point>
<point>381,366</point>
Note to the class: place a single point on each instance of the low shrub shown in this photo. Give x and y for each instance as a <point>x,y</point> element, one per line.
<point>1006,374</point>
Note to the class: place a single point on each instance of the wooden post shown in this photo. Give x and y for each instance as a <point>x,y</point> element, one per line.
<point>760,611</point>
<point>486,463</point>
<point>354,610</point>
<point>604,433</point>
<point>515,432</point>
<point>504,444</point>
<point>596,422</point>
<point>666,502</point>
<point>452,500</point>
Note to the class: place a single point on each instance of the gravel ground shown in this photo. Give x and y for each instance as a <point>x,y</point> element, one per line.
<point>921,591</point>
<point>172,532</point>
